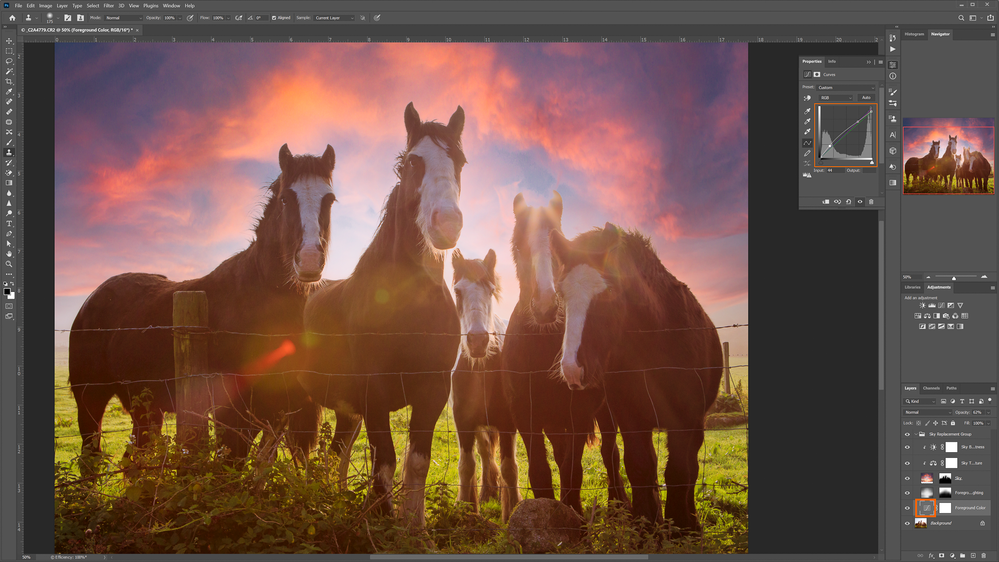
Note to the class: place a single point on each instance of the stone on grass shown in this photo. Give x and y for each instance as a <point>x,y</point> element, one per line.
<point>543,525</point>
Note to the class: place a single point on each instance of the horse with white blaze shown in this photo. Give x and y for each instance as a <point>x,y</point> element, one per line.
<point>639,334</point>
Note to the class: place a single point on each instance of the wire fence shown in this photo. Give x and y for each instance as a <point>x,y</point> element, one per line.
<point>361,471</point>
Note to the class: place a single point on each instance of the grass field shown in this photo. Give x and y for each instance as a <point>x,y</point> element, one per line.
<point>922,186</point>
<point>724,457</point>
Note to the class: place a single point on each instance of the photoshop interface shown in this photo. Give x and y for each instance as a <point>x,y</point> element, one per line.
<point>827,166</point>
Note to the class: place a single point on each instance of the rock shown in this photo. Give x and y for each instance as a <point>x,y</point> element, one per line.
<point>542,525</point>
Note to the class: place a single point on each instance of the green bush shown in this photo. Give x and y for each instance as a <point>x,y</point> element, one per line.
<point>167,498</point>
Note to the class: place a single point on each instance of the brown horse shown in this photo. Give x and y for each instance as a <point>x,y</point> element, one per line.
<point>946,165</point>
<point>980,171</point>
<point>481,412</point>
<point>387,336</point>
<point>637,333</point>
<point>918,168</point>
<point>964,171</point>
<point>261,290</point>
<point>541,405</point>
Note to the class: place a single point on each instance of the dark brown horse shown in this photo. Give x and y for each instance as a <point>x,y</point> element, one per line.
<point>481,412</point>
<point>260,290</point>
<point>541,405</point>
<point>918,168</point>
<point>387,336</point>
<point>946,165</point>
<point>636,332</point>
<point>980,171</point>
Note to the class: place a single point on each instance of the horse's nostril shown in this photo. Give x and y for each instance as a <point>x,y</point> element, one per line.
<point>478,343</point>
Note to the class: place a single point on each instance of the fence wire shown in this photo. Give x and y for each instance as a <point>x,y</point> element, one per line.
<point>451,432</point>
<point>206,330</point>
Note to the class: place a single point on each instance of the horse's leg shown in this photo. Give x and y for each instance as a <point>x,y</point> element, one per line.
<point>233,414</point>
<point>510,494</point>
<point>539,472</point>
<point>486,441</point>
<point>147,418</point>
<point>466,468</point>
<point>571,470</point>
<point>612,457</point>
<point>383,458</point>
<point>347,429</point>
<point>90,405</point>
<point>303,430</point>
<point>414,473</point>
<point>640,463</point>
<point>149,422</point>
<point>681,477</point>
<point>579,432</point>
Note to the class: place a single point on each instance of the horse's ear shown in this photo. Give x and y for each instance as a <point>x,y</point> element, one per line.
<point>559,244</point>
<point>611,231</point>
<point>412,120</point>
<point>490,261</point>
<point>329,157</point>
<point>457,122</point>
<point>518,204</point>
<point>284,157</point>
<point>456,259</point>
<point>556,204</point>
<point>611,235</point>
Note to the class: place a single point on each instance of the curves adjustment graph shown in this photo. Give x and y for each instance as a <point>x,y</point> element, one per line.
<point>846,134</point>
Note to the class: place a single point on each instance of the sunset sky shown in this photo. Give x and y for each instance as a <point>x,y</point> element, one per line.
<point>162,150</point>
<point>975,134</point>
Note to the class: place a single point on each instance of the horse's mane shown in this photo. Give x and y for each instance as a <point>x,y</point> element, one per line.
<point>644,279</point>
<point>442,137</point>
<point>306,165</point>
<point>666,294</point>
<point>381,242</point>
<point>476,271</point>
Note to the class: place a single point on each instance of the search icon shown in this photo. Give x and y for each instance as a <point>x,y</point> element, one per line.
<point>960,17</point>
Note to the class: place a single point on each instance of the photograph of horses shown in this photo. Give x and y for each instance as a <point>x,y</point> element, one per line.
<point>948,155</point>
<point>405,297</point>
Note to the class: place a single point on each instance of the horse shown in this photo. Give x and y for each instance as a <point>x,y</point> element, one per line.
<point>964,171</point>
<point>920,167</point>
<point>980,171</point>
<point>481,413</point>
<point>639,334</point>
<point>387,336</point>
<point>540,404</point>
<point>119,344</point>
<point>947,165</point>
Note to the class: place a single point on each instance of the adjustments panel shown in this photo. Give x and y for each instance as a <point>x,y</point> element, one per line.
<point>840,118</point>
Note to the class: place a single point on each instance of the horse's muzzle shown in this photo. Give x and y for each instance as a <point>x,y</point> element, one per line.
<point>309,264</point>
<point>573,375</point>
<point>445,228</point>
<point>544,310</point>
<point>478,344</point>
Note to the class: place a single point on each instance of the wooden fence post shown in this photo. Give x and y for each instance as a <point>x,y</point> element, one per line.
<point>190,358</point>
<point>728,374</point>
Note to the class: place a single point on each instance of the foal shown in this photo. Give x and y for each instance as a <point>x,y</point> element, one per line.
<point>481,412</point>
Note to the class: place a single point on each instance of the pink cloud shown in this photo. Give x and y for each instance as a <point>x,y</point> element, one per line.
<point>623,130</point>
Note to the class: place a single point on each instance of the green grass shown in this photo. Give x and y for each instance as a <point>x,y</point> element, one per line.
<point>724,469</point>
<point>923,186</point>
